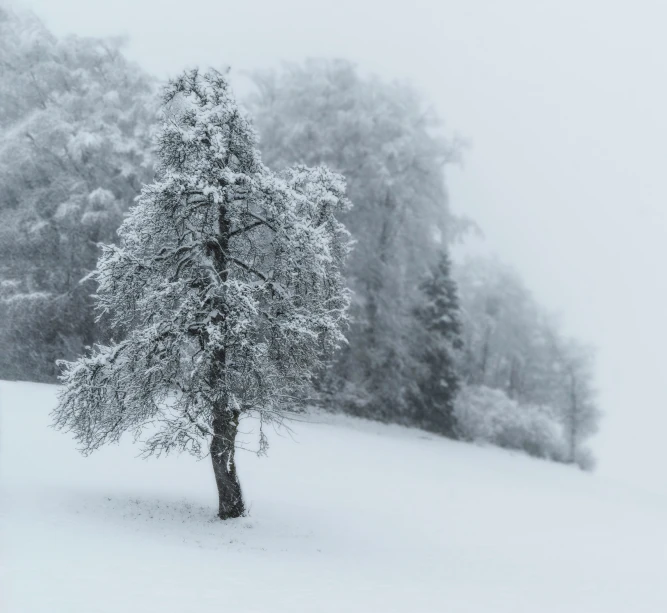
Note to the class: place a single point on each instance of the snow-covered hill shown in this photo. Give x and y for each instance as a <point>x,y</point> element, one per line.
<point>346,516</point>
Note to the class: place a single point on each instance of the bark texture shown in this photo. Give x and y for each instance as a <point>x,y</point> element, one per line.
<point>230,497</point>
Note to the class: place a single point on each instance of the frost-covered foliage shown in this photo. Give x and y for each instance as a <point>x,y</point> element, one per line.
<point>513,345</point>
<point>75,117</point>
<point>488,415</point>
<point>225,288</point>
<point>391,150</point>
<point>437,379</point>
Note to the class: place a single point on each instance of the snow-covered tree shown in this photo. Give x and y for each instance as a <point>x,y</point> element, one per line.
<point>75,122</point>
<point>437,379</point>
<point>392,151</point>
<point>509,338</point>
<point>513,345</point>
<point>226,286</point>
<point>576,399</point>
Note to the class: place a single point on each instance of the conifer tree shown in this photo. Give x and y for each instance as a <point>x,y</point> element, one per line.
<point>439,318</point>
<point>226,288</point>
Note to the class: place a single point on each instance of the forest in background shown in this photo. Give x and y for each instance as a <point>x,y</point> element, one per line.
<point>458,346</point>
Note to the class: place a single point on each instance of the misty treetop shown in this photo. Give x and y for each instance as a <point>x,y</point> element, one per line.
<point>226,289</point>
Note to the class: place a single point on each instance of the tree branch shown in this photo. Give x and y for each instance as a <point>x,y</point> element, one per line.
<point>246,228</point>
<point>247,268</point>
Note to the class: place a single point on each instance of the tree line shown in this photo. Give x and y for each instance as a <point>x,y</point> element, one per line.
<point>453,345</point>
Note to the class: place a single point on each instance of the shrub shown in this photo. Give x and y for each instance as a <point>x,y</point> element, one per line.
<point>488,415</point>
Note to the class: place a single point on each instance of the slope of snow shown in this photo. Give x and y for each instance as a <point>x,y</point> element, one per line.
<point>346,516</point>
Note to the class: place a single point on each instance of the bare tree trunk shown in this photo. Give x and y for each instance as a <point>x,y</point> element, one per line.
<point>225,422</point>
<point>485,356</point>
<point>572,426</point>
<point>230,497</point>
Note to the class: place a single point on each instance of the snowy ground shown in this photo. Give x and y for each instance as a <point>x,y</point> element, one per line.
<point>347,517</point>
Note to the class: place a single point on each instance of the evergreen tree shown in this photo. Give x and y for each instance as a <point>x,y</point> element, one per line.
<point>437,379</point>
<point>226,286</point>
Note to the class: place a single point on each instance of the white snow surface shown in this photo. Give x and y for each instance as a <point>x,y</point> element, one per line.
<point>345,516</point>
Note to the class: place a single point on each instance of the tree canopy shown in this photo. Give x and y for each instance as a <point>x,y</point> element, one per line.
<point>76,119</point>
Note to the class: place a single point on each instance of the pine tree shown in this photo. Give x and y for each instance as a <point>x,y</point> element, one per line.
<point>226,286</point>
<point>439,318</point>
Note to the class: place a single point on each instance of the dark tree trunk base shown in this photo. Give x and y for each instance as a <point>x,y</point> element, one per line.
<point>230,497</point>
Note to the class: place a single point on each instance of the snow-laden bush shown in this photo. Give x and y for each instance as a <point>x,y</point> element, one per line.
<point>488,415</point>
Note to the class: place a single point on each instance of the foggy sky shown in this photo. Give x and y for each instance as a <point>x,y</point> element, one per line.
<point>564,107</point>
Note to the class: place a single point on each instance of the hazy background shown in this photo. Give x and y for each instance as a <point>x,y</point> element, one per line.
<point>563,104</point>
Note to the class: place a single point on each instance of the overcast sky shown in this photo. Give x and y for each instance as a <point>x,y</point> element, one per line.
<point>564,104</point>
